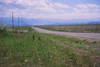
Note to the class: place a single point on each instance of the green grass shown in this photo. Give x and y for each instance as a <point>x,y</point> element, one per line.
<point>35,49</point>
<point>74,42</point>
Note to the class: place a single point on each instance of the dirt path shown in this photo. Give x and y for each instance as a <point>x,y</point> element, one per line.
<point>85,35</point>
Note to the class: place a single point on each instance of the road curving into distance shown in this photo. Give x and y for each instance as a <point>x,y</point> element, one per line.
<point>84,35</point>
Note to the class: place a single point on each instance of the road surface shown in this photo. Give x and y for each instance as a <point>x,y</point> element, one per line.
<point>85,35</point>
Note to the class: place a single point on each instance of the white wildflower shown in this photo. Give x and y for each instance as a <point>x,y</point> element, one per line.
<point>25,60</point>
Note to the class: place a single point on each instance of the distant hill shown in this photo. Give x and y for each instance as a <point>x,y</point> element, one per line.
<point>8,20</point>
<point>93,22</point>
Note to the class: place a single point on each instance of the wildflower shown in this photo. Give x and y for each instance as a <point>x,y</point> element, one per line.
<point>39,59</point>
<point>25,60</point>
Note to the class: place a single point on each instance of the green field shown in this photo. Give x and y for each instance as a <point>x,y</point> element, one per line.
<point>33,49</point>
<point>93,28</point>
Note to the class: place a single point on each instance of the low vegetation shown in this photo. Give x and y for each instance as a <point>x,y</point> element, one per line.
<point>33,49</point>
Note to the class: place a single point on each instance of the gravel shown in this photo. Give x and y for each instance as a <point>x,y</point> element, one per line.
<point>85,35</point>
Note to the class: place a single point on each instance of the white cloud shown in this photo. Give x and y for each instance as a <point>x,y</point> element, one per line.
<point>22,1</point>
<point>51,5</point>
<point>30,13</point>
<point>32,2</point>
<point>80,10</point>
<point>82,6</point>
<point>61,11</point>
<point>93,5</point>
<point>7,1</point>
<point>96,10</point>
<point>47,9</point>
<point>0,6</point>
<point>59,5</point>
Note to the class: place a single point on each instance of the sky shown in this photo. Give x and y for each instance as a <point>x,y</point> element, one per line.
<point>51,9</point>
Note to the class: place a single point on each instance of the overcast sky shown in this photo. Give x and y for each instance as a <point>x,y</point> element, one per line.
<point>51,9</point>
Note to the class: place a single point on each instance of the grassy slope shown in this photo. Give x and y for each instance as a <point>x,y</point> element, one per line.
<point>35,49</point>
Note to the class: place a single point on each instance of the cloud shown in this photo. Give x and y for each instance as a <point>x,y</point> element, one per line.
<point>61,14</point>
<point>96,10</point>
<point>7,1</point>
<point>47,9</point>
<point>59,5</point>
<point>93,5</point>
<point>82,6</point>
<point>31,3</point>
<point>0,6</point>
<point>80,10</point>
<point>22,1</point>
<point>26,3</point>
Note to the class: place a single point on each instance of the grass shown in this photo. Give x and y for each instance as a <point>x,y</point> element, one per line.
<point>17,29</point>
<point>93,28</point>
<point>35,49</point>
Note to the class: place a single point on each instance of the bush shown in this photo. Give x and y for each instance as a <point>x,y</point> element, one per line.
<point>2,29</point>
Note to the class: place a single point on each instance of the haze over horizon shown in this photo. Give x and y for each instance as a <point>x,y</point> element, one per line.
<point>84,10</point>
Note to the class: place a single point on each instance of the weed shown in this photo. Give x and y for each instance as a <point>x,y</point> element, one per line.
<point>39,38</point>
<point>33,37</point>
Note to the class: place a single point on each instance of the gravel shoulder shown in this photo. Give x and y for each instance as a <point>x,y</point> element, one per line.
<point>84,35</point>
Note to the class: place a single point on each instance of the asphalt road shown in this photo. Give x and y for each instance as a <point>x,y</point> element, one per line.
<point>85,35</point>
